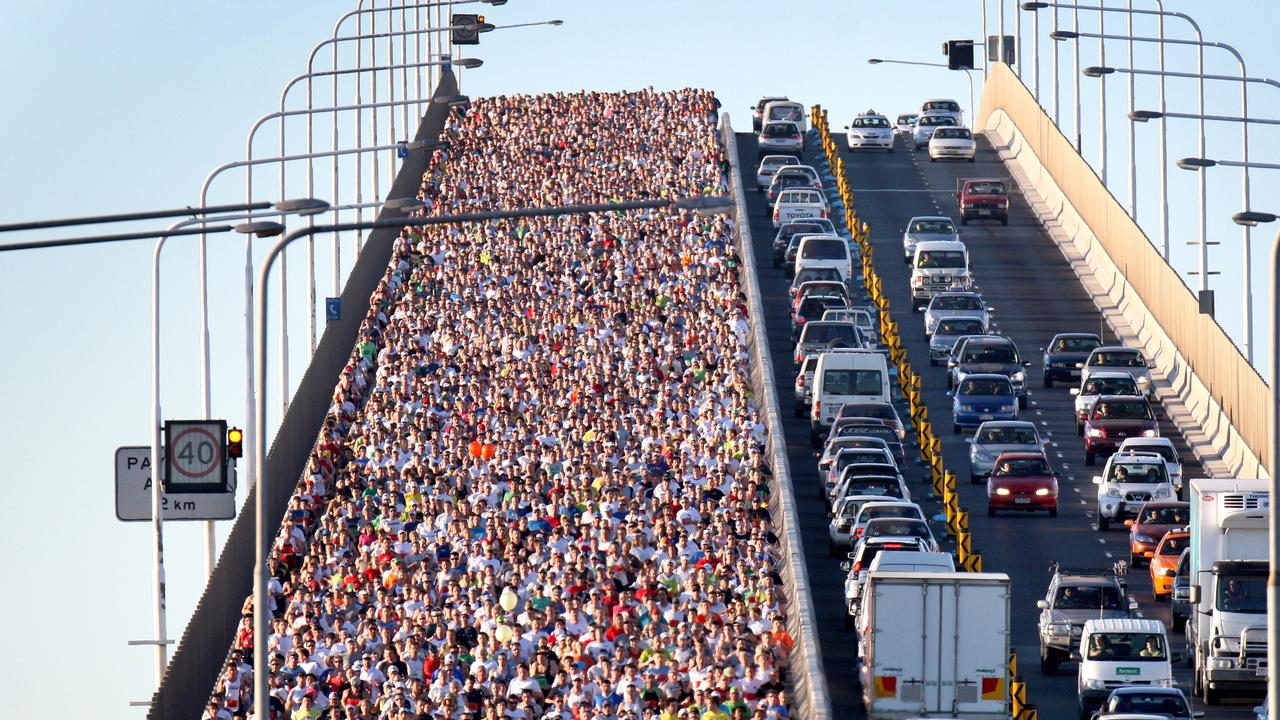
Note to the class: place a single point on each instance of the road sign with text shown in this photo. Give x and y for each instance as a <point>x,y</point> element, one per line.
<point>133,493</point>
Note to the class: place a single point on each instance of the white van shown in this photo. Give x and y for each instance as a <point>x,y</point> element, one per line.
<point>825,251</point>
<point>786,111</point>
<point>845,376</point>
<point>938,266</point>
<point>1118,652</point>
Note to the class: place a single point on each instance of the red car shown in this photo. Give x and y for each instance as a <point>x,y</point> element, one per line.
<point>1022,481</point>
<point>1154,520</point>
<point>1113,419</point>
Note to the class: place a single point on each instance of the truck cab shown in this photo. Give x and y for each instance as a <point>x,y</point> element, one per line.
<point>1116,653</point>
<point>1227,626</point>
<point>982,199</point>
<point>938,266</point>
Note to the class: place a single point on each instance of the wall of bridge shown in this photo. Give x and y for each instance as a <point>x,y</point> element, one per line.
<point>1200,373</point>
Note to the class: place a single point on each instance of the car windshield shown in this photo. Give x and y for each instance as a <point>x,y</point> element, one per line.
<point>814,306</point>
<point>985,386</point>
<point>1163,451</point>
<point>824,249</point>
<point>938,120</point>
<point>1126,647</point>
<point>826,333</point>
<point>852,382</point>
<point>1174,544</point>
<point>954,302</point>
<point>798,228</point>
<point>812,274</point>
<point>860,456</point>
<point>1242,594</point>
<point>1022,467</point>
<point>1001,354</point>
<point>942,105</point>
<point>879,411</point>
<point>933,227</point>
<point>1089,597</point>
<point>960,327</point>
<point>1110,386</point>
<point>1164,516</point>
<point>805,197</point>
<point>1007,436</point>
<point>781,130</point>
<point>953,134</point>
<point>792,180</point>
<point>880,487</point>
<point>775,162</point>
<point>1122,410</point>
<point>891,511</point>
<point>784,112</point>
<point>898,527</point>
<point>870,122</point>
<point>1138,472</point>
<point>1075,345</point>
<point>1168,704</point>
<point>941,259</point>
<point>1117,359</point>
<point>986,188</point>
<point>906,119</point>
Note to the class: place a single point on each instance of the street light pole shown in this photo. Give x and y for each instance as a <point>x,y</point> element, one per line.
<point>261,607</point>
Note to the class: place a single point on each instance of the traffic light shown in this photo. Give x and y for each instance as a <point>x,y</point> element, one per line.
<point>465,35</point>
<point>959,54</point>
<point>235,443</point>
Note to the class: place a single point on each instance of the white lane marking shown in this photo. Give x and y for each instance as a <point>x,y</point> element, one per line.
<point>1065,466</point>
<point>1059,454</point>
<point>1077,490</point>
<point>1108,554</point>
<point>1102,541</point>
<point>1054,444</point>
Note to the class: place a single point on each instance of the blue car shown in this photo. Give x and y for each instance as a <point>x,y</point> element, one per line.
<point>980,397</point>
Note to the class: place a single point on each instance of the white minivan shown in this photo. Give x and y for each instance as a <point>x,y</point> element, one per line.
<point>938,266</point>
<point>786,111</point>
<point>1120,652</point>
<point>845,376</point>
<point>817,251</point>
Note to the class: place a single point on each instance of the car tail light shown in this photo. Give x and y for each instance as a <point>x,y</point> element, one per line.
<point>799,319</point>
<point>858,532</point>
<point>817,407</point>
<point>798,137</point>
<point>775,214</point>
<point>824,213</point>
<point>857,567</point>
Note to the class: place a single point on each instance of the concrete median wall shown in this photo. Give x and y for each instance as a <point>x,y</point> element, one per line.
<point>1214,395</point>
<point>810,697</point>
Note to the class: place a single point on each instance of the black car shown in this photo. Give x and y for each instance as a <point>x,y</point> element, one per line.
<point>1064,352</point>
<point>785,233</point>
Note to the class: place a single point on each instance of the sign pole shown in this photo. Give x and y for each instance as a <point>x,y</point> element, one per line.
<point>157,521</point>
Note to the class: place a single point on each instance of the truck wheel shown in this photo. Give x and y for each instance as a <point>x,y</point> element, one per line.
<point>1089,458</point>
<point>1104,523</point>
<point>1209,695</point>
<point>1049,662</point>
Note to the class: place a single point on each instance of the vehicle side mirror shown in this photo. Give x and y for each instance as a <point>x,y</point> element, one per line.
<point>1128,523</point>
<point>1179,657</point>
<point>1193,594</point>
<point>1148,554</point>
<point>1074,391</point>
<point>1042,604</point>
<point>1079,366</point>
<point>1026,363</point>
<point>1097,479</point>
<point>1075,655</point>
<point>1151,364</point>
<point>991,309</point>
<point>846,565</point>
<point>1133,605</point>
<point>971,440</point>
<point>1169,573</point>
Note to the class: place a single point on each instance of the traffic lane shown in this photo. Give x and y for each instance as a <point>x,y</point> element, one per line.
<point>825,577</point>
<point>1013,267</point>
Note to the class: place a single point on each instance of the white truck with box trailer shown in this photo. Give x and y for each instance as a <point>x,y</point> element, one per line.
<point>934,645</point>
<point>1227,628</point>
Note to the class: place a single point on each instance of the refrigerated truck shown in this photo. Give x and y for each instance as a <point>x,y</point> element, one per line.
<point>934,645</point>
<point>1227,628</point>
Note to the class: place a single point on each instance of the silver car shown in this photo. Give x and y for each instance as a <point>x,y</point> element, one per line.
<point>955,304</point>
<point>769,165</point>
<point>869,130</point>
<point>926,124</point>
<point>1000,436</point>
<point>1114,358</point>
<point>906,123</point>
<point>780,137</point>
<point>926,228</point>
<point>950,329</point>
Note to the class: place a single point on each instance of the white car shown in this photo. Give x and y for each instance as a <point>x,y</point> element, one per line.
<point>952,143</point>
<point>798,204</point>
<point>769,165</point>
<point>884,509</point>
<point>869,130</point>
<point>926,124</point>
<point>906,122</point>
<point>923,228</point>
<point>1127,483</point>
<point>780,137</point>
<point>954,304</point>
<point>1157,446</point>
<point>1115,358</point>
<point>839,529</point>
<point>944,106</point>
<point>861,318</point>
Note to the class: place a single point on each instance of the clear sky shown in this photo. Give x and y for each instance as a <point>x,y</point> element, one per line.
<point>127,106</point>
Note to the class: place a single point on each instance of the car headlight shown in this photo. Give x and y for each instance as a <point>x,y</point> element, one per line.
<point>1111,492</point>
<point>1144,380</point>
<point>917,281</point>
<point>1161,492</point>
<point>1002,491</point>
<point>1018,377</point>
<point>1150,433</point>
<point>1096,433</point>
<point>1095,684</point>
<point>1059,629</point>
<point>1042,492</point>
<point>1143,538</point>
<point>984,456</point>
<point>966,408</point>
<point>1222,663</point>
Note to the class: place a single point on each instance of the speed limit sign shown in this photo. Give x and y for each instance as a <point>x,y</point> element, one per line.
<point>195,456</point>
